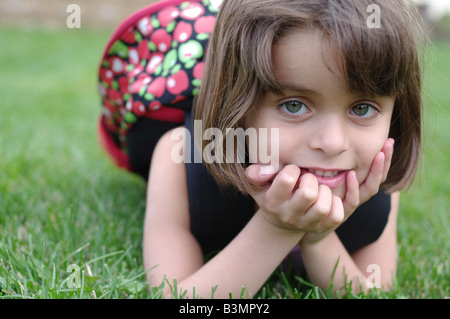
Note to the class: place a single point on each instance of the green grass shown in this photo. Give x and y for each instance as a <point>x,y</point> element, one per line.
<point>64,207</point>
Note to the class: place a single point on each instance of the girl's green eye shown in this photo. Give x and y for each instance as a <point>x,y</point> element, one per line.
<point>363,110</point>
<point>294,107</point>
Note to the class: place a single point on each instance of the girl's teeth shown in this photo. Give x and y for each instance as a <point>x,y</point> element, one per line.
<point>330,174</point>
<point>326,174</point>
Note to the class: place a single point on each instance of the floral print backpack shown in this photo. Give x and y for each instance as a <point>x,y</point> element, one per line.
<point>153,61</point>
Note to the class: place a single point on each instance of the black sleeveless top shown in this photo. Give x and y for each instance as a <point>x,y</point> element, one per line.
<point>218,214</point>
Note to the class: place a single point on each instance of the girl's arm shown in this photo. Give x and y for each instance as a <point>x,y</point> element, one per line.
<point>173,253</point>
<point>320,259</point>
<point>286,211</point>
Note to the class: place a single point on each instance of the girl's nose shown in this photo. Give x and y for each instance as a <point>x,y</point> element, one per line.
<point>330,136</point>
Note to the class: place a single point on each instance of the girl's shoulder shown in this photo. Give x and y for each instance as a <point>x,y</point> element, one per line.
<point>167,193</point>
<point>170,144</point>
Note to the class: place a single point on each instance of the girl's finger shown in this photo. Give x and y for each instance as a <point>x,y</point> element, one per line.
<point>260,174</point>
<point>306,193</point>
<point>372,183</point>
<point>351,199</point>
<point>314,204</point>
<point>388,150</point>
<point>336,215</point>
<point>283,185</point>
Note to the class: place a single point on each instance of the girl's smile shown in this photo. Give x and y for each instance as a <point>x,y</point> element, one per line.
<point>324,128</point>
<point>331,178</point>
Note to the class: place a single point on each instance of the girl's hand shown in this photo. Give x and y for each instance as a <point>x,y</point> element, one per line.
<point>301,204</point>
<point>293,203</point>
<point>357,194</point>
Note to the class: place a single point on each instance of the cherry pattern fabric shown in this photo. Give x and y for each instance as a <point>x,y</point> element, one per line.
<point>154,62</point>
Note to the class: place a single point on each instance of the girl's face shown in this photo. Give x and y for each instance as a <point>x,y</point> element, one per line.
<point>324,128</point>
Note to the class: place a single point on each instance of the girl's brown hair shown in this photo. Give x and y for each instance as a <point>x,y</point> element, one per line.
<point>384,61</point>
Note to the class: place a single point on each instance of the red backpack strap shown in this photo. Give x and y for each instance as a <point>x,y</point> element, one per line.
<point>152,66</point>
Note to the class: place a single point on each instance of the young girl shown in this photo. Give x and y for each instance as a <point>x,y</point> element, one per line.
<point>334,92</point>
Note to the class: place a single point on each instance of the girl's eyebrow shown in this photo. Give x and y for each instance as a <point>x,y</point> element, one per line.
<point>294,87</point>
<point>290,86</point>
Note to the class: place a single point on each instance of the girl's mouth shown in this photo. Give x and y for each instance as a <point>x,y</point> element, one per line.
<point>330,178</point>
<point>321,173</point>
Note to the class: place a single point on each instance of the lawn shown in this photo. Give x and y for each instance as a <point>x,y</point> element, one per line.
<point>71,223</point>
